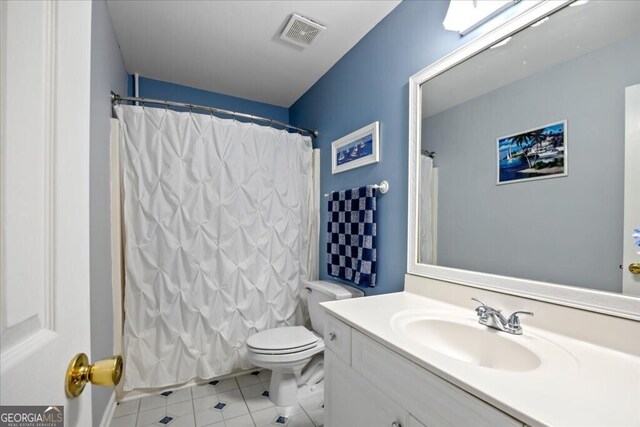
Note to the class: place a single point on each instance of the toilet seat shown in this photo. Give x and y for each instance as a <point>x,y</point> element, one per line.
<point>286,360</point>
<point>284,350</point>
<point>286,340</point>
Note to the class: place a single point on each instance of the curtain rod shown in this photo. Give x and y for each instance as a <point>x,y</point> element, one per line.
<point>116,99</point>
<point>428,153</point>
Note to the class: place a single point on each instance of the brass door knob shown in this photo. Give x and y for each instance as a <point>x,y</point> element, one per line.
<point>106,373</point>
<point>634,267</point>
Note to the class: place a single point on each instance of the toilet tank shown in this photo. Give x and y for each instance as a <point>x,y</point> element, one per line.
<point>321,291</point>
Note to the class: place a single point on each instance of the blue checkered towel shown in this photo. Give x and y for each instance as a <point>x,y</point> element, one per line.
<point>351,239</point>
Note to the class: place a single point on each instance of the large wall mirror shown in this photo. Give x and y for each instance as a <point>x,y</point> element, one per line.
<point>518,144</point>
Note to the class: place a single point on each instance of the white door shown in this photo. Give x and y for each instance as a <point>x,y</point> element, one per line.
<point>631,251</point>
<point>44,201</point>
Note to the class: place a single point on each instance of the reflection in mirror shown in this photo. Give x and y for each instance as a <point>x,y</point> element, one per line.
<point>547,102</point>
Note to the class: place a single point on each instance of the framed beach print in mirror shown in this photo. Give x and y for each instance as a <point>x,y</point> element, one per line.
<point>537,153</point>
<point>505,109</point>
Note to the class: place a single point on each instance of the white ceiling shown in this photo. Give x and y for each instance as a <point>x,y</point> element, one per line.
<point>569,33</point>
<point>234,47</point>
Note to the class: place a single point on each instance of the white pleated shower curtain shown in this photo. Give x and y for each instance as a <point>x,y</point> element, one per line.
<point>217,218</point>
<point>428,212</point>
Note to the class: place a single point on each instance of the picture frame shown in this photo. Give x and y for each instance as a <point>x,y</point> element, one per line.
<point>359,148</point>
<point>532,154</point>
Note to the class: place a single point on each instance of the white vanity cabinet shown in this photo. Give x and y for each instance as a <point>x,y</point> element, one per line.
<point>369,385</point>
<point>350,400</point>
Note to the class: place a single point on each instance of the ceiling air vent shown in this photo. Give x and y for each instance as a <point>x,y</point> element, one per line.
<point>301,31</point>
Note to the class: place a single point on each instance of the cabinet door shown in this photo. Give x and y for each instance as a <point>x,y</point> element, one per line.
<point>352,401</point>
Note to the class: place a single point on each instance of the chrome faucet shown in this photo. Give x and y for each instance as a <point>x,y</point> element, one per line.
<point>494,319</point>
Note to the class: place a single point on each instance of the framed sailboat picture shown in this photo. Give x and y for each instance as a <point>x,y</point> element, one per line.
<point>533,154</point>
<point>359,148</point>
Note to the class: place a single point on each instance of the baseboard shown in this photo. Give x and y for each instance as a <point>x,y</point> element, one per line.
<point>108,411</point>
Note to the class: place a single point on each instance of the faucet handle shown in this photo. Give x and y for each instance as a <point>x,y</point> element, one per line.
<point>481,310</point>
<point>514,321</point>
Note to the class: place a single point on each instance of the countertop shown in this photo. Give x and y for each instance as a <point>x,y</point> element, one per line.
<point>587,385</point>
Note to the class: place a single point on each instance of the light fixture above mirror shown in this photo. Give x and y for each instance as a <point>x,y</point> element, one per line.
<point>465,16</point>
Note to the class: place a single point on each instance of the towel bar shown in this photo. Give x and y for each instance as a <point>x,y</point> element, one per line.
<point>383,187</point>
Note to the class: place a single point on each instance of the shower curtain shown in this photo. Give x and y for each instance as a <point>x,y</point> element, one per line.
<point>427,224</point>
<point>218,228</point>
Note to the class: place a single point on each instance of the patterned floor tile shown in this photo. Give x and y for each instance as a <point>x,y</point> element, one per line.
<point>247,380</point>
<point>234,409</point>
<point>225,385</point>
<point>180,409</point>
<point>301,420</point>
<point>152,402</point>
<point>126,408</point>
<point>202,390</point>
<point>184,421</point>
<point>256,398</point>
<point>265,417</point>
<point>124,421</point>
<point>151,417</point>
<point>289,410</point>
<point>273,417</point>
<point>265,376</point>
<point>230,396</point>
<point>206,402</point>
<point>178,396</point>
<point>195,406</point>
<point>314,408</point>
<point>242,421</point>
<point>208,417</point>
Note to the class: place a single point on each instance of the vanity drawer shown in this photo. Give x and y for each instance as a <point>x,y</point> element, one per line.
<point>429,398</point>
<point>337,337</point>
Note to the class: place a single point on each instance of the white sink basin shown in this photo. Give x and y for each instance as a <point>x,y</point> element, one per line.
<point>464,339</point>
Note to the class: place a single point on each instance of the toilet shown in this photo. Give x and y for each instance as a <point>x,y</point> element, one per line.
<point>294,353</point>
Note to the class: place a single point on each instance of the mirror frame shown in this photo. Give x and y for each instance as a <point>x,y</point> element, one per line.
<point>586,299</point>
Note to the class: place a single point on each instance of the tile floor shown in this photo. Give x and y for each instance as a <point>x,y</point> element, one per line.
<point>234,402</point>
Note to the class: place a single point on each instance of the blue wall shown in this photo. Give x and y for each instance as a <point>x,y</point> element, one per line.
<point>107,74</point>
<point>150,88</point>
<point>370,83</point>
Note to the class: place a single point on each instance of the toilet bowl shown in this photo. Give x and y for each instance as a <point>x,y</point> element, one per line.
<point>288,351</point>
